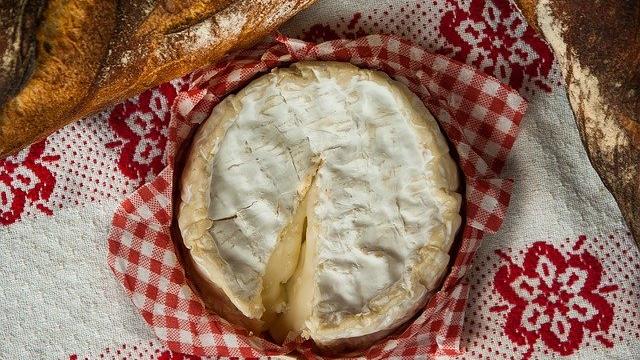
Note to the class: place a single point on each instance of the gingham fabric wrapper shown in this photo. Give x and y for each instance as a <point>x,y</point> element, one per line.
<point>478,114</point>
<point>560,279</point>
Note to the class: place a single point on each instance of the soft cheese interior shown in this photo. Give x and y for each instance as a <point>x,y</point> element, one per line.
<point>321,199</point>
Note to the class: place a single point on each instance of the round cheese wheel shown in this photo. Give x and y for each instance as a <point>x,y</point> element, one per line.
<point>320,201</point>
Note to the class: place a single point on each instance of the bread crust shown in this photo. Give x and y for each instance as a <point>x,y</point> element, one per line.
<point>91,54</point>
<point>19,20</point>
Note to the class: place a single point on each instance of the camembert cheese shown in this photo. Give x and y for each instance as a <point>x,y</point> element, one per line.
<point>321,200</point>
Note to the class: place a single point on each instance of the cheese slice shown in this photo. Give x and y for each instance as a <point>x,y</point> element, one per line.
<point>321,200</point>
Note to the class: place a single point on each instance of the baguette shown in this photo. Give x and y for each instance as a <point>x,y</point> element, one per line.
<point>62,60</point>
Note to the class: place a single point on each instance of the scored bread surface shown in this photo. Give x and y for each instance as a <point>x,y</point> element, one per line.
<point>91,54</point>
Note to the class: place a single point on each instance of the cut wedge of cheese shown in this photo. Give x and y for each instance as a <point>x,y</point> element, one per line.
<point>320,201</point>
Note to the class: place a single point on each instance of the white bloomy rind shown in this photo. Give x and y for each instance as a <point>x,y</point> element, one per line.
<point>343,158</point>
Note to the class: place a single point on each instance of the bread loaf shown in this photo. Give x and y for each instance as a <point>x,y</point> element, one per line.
<point>62,60</point>
<point>598,47</point>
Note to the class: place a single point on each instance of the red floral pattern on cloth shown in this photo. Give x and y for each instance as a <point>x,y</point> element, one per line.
<point>555,298</point>
<point>25,179</point>
<point>141,123</point>
<point>490,35</point>
<point>494,37</point>
<point>549,299</point>
<point>150,350</point>
<point>324,32</point>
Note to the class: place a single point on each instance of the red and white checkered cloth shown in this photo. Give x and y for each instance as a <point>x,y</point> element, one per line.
<point>478,114</point>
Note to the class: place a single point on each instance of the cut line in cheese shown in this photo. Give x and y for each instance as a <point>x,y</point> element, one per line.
<point>284,260</point>
<point>353,155</point>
